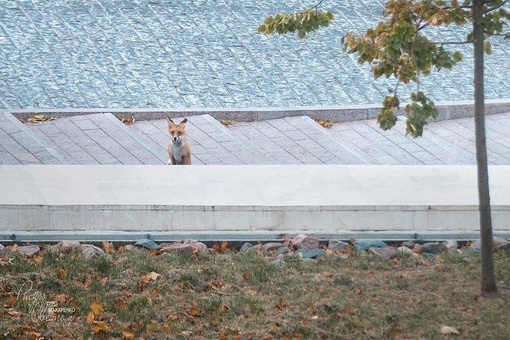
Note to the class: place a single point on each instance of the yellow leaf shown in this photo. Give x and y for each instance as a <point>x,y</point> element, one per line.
<point>96,308</point>
<point>447,330</point>
<point>223,309</point>
<point>62,273</point>
<point>108,247</point>
<point>127,335</point>
<point>100,327</point>
<point>60,298</point>
<point>37,259</point>
<point>90,317</point>
<point>152,276</point>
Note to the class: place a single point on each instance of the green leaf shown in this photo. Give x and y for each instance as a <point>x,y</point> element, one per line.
<point>487,47</point>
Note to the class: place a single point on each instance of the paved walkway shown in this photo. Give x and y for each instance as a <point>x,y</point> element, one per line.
<point>103,139</point>
<point>196,54</point>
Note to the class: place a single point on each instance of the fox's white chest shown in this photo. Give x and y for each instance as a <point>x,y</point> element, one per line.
<point>177,152</point>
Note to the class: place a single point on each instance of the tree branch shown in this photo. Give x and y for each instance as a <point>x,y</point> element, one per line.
<point>449,42</point>
<point>316,6</point>
<point>488,10</point>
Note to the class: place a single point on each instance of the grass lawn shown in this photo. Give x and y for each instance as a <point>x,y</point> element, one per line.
<point>141,294</point>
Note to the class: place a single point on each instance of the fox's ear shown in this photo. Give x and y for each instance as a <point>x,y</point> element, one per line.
<point>184,121</point>
<point>170,122</point>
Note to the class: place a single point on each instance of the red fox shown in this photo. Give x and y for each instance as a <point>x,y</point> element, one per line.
<point>178,149</point>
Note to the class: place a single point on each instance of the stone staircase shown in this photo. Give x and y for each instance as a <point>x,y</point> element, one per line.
<point>101,138</point>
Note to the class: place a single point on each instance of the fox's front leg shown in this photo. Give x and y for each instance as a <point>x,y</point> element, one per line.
<point>171,160</point>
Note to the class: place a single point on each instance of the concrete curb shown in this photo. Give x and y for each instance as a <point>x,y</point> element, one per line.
<point>448,110</point>
<point>207,236</point>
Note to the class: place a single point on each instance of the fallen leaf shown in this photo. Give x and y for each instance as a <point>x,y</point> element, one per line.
<point>152,276</point>
<point>128,120</point>
<point>60,298</point>
<point>324,123</point>
<point>100,327</point>
<point>193,312</point>
<point>39,118</point>
<point>37,259</point>
<point>223,309</point>
<point>62,273</point>
<point>96,308</point>
<point>108,247</point>
<point>327,274</point>
<point>227,122</point>
<point>447,330</point>
<point>246,276</point>
<point>15,313</point>
<point>90,317</point>
<point>14,248</point>
<point>127,335</point>
<point>280,307</point>
<point>33,335</point>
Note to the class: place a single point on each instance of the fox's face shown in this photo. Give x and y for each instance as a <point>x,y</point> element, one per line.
<point>176,130</point>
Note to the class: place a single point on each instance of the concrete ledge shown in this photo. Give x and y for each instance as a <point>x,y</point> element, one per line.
<point>236,237</point>
<point>222,200</point>
<point>448,110</point>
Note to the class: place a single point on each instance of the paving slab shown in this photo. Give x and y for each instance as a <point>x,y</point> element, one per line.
<point>21,145</point>
<point>97,139</point>
<point>444,142</point>
<point>243,199</point>
<point>210,141</point>
<point>207,54</point>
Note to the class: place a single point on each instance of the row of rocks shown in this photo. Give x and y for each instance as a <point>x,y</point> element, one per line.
<point>304,246</point>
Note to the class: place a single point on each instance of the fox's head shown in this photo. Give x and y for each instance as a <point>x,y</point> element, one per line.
<point>176,130</point>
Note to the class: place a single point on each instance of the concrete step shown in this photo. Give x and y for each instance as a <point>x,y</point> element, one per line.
<point>296,140</point>
<point>210,141</point>
<point>98,139</point>
<point>255,199</point>
<point>21,145</point>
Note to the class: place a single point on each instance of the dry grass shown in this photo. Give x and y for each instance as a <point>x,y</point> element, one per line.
<point>136,294</point>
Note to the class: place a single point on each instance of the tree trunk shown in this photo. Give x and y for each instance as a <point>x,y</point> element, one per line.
<point>488,283</point>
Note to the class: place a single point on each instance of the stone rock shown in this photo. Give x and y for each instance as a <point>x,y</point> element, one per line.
<point>433,247</point>
<point>451,244</point>
<point>429,256</point>
<point>498,242</point>
<point>408,244</point>
<point>271,247</point>
<point>417,248</point>
<point>306,242</point>
<point>367,244</point>
<point>337,245</point>
<point>29,250</point>
<point>311,254</point>
<point>406,252</point>
<point>129,247</point>
<point>147,243</point>
<point>66,246</point>
<point>196,245</point>
<point>89,251</point>
<point>282,250</point>
<point>255,249</point>
<point>6,250</point>
<point>501,243</point>
<point>386,253</point>
<point>245,247</point>
<point>1,246</point>
<point>178,248</point>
